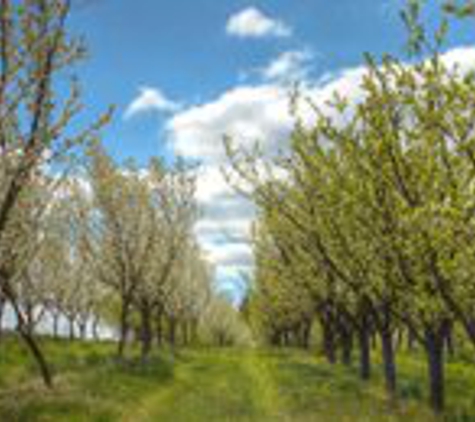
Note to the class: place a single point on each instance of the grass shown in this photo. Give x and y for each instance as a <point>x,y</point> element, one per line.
<point>216,385</point>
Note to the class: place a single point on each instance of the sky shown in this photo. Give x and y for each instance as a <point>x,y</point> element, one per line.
<point>183,73</point>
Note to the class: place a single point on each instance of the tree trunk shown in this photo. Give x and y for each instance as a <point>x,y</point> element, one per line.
<point>82,329</point>
<point>159,328</point>
<point>124,328</point>
<point>389,363</point>
<point>146,329</point>
<point>384,324</point>
<point>364,337</point>
<point>329,346</point>
<point>305,332</point>
<point>55,317</point>
<point>30,318</point>
<point>95,328</point>
<point>434,345</point>
<point>29,339</point>
<point>38,356</point>
<point>72,331</point>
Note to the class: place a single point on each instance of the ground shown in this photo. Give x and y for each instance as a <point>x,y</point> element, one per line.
<point>207,385</point>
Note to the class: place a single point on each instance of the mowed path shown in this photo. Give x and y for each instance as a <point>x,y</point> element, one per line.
<point>259,386</point>
<point>237,386</point>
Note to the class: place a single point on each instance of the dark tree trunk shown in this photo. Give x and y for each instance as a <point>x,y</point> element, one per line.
<point>305,332</point>
<point>82,329</point>
<point>329,343</point>
<point>30,318</point>
<point>364,337</point>
<point>384,324</point>
<point>345,335</point>
<point>159,328</point>
<point>389,363</point>
<point>146,329</point>
<point>274,338</point>
<point>38,355</point>
<point>434,345</point>
<point>124,328</point>
<point>411,340</point>
<point>29,339</point>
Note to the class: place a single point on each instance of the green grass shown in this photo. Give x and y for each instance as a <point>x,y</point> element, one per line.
<point>214,386</point>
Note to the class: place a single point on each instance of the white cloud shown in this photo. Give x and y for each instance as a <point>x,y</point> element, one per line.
<point>253,23</point>
<point>288,66</point>
<point>150,99</point>
<point>462,58</point>
<point>246,113</point>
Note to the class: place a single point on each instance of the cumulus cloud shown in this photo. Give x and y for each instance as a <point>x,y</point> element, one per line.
<point>150,99</point>
<point>461,58</point>
<point>246,113</point>
<point>253,23</point>
<point>289,66</point>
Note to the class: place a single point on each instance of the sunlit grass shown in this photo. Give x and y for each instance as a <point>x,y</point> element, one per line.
<point>217,385</point>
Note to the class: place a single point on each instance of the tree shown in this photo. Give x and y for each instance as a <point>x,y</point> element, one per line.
<point>35,52</point>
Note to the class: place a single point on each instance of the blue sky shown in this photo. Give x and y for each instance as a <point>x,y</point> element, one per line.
<point>184,72</point>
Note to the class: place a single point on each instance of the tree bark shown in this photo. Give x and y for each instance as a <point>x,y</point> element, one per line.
<point>72,331</point>
<point>364,337</point>
<point>28,338</point>
<point>434,345</point>
<point>159,328</point>
<point>389,363</point>
<point>305,332</point>
<point>384,323</point>
<point>329,346</point>
<point>124,328</point>
<point>82,329</point>
<point>146,329</point>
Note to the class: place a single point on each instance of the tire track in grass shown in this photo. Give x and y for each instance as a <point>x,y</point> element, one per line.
<point>267,398</point>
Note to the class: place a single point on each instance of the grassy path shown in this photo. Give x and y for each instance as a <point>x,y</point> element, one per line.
<point>206,387</point>
<point>256,386</point>
<point>216,387</point>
